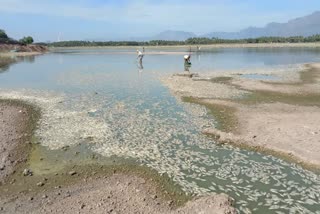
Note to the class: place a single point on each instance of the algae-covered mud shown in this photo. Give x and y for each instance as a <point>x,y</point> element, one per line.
<point>119,110</point>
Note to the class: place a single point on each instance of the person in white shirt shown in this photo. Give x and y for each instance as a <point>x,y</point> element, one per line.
<point>187,58</point>
<point>140,55</point>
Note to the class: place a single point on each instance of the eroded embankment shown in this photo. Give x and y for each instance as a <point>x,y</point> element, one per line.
<point>5,48</point>
<point>279,117</point>
<point>75,179</point>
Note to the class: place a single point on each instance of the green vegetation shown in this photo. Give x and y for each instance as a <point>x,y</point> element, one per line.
<point>3,34</point>
<point>191,41</point>
<point>26,40</point>
<point>5,39</point>
<point>114,43</point>
<point>294,39</point>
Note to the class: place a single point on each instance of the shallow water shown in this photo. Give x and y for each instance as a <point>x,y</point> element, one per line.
<point>101,97</point>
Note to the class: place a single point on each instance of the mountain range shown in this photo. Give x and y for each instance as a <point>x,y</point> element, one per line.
<point>304,26</point>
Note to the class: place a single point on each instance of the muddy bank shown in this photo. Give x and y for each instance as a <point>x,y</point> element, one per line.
<point>97,188</point>
<point>279,117</point>
<point>21,50</point>
<point>17,125</point>
<point>290,130</point>
<point>119,193</point>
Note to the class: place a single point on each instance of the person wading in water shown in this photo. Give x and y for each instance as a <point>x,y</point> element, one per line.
<point>140,55</point>
<point>187,57</point>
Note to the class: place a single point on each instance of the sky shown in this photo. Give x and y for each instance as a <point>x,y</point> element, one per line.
<point>51,20</point>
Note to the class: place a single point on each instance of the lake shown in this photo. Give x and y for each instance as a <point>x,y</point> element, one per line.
<point>104,98</point>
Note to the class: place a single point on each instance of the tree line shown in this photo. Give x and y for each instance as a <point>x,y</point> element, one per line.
<point>190,41</point>
<point>5,39</point>
<point>114,43</point>
<point>292,39</point>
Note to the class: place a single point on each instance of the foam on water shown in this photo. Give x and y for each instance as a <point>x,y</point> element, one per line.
<point>165,135</point>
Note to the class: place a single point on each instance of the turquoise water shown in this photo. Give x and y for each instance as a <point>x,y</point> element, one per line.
<point>105,96</point>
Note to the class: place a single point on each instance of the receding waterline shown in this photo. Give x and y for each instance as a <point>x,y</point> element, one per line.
<point>121,112</point>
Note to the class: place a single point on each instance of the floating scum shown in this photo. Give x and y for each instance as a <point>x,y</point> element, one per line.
<point>165,135</point>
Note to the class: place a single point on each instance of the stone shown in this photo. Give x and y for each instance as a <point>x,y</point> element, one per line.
<point>72,173</point>
<point>40,184</point>
<point>27,172</point>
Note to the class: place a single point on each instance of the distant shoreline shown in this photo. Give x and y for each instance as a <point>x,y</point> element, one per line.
<point>239,45</point>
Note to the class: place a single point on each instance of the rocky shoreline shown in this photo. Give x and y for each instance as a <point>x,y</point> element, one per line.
<point>279,117</point>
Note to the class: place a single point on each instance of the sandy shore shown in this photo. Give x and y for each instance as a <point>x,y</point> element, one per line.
<point>278,117</point>
<point>15,54</point>
<point>133,52</point>
<point>80,189</point>
<point>260,45</point>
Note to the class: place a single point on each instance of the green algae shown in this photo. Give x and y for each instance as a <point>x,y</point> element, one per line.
<point>222,79</point>
<point>227,120</point>
<point>52,167</point>
<point>224,115</point>
<point>260,97</point>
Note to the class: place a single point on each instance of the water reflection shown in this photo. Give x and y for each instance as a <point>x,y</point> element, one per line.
<point>6,62</point>
<point>187,67</point>
<point>140,66</point>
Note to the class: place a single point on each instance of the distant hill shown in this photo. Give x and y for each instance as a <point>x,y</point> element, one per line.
<point>304,26</point>
<point>168,35</point>
<point>173,35</point>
